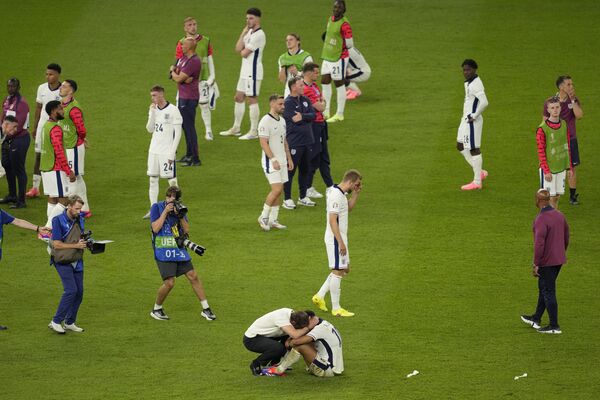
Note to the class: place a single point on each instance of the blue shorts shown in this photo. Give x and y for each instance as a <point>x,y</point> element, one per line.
<point>574,152</point>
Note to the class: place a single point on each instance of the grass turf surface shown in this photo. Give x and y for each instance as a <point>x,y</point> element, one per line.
<point>439,276</point>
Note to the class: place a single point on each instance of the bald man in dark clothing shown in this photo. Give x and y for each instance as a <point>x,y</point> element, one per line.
<point>551,237</point>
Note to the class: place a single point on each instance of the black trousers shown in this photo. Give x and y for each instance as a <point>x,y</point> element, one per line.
<point>14,153</point>
<point>187,108</point>
<point>547,294</point>
<point>271,349</point>
<point>320,160</point>
<point>301,156</point>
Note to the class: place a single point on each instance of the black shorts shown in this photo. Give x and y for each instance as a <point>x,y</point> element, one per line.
<point>574,151</point>
<point>169,269</point>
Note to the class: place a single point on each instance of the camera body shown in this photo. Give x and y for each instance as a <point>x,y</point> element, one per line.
<point>93,246</point>
<point>179,209</point>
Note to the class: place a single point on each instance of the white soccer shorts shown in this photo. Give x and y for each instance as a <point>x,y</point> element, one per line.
<point>556,186</point>
<point>76,159</point>
<point>56,184</point>
<point>469,133</point>
<point>158,166</point>
<point>337,69</point>
<point>273,175</point>
<point>336,260</point>
<point>250,87</point>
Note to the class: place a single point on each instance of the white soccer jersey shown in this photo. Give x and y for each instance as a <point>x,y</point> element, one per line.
<point>328,344</point>
<point>165,126</point>
<point>337,203</point>
<point>43,97</point>
<point>475,99</point>
<point>270,324</point>
<point>273,129</point>
<point>252,68</point>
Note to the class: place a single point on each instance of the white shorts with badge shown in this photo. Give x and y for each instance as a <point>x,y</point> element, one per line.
<point>250,87</point>
<point>337,69</point>
<point>76,159</point>
<point>469,133</point>
<point>336,260</point>
<point>159,166</point>
<point>56,184</point>
<point>556,186</point>
<point>273,175</point>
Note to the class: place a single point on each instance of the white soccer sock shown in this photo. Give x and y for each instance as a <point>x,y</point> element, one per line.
<point>467,154</point>
<point>335,288</point>
<point>56,210</point>
<point>265,212</point>
<point>204,304</point>
<point>274,214</point>
<point>157,306</point>
<point>254,116</point>
<point>37,179</point>
<point>49,208</point>
<point>288,360</point>
<point>325,287</point>
<point>477,164</point>
<point>205,110</point>
<point>81,190</point>
<point>238,113</point>
<point>341,100</point>
<point>153,190</point>
<point>173,182</point>
<point>327,97</point>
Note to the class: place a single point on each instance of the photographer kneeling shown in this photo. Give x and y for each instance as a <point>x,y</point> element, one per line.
<point>67,256</point>
<point>169,238</point>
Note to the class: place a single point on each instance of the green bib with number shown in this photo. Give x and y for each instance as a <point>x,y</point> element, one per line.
<point>333,45</point>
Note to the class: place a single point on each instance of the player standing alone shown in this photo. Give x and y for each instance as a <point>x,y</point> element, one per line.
<point>468,140</point>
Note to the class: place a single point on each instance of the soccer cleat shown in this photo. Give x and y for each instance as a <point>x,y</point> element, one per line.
<point>18,204</point>
<point>33,192</point>
<point>289,204</point>
<point>146,216</point>
<point>230,132</point>
<point>249,136</point>
<point>484,174</point>
<point>208,314</point>
<point>312,193</point>
<point>193,163</point>
<point>342,313</point>
<point>574,200</point>
<point>255,368</point>
<point>529,320</point>
<point>184,159</point>
<point>271,371</point>
<point>3,328</point>
<point>208,136</point>
<point>86,214</point>
<point>352,94</point>
<point>73,328</point>
<point>319,302</point>
<point>306,202</point>
<point>264,224</point>
<point>335,118</point>
<point>58,328</point>
<point>551,330</point>
<point>471,186</point>
<point>159,315</point>
<point>275,224</point>
<point>8,199</point>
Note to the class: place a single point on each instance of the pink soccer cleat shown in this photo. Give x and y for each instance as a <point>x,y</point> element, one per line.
<point>484,174</point>
<point>351,94</point>
<point>33,192</point>
<point>471,186</point>
<point>272,371</point>
<point>86,214</point>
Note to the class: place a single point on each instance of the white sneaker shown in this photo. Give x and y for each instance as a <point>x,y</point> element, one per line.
<point>312,192</point>
<point>208,136</point>
<point>147,215</point>
<point>289,204</point>
<point>250,135</point>
<point>264,223</point>
<point>72,327</point>
<point>230,132</point>
<point>306,202</point>
<point>58,328</point>
<point>277,225</point>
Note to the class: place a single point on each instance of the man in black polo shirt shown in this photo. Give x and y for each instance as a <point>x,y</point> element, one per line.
<point>299,114</point>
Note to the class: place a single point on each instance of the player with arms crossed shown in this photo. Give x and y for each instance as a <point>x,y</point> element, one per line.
<point>336,240</point>
<point>291,62</point>
<point>46,92</point>
<point>468,140</point>
<point>208,90</point>
<point>276,161</point>
<point>250,46</point>
<point>164,123</point>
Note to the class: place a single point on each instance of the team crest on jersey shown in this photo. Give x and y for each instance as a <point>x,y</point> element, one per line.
<point>305,104</point>
<point>167,116</point>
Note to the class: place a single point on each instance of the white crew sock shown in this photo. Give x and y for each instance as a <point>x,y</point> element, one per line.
<point>325,287</point>
<point>173,182</point>
<point>153,190</point>
<point>157,306</point>
<point>37,179</point>
<point>254,116</point>
<point>57,210</point>
<point>341,100</point>
<point>477,164</point>
<point>274,214</point>
<point>204,304</point>
<point>81,190</point>
<point>238,114</point>
<point>327,97</point>
<point>205,110</point>
<point>265,212</point>
<point>467,154</point>
<point>288,360</point>
<point>335,288</point>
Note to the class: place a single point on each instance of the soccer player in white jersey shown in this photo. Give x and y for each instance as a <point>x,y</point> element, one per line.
<point>358,71</point>
<point>250,46</point>
<point>46,92</point>
<point>336,240</point>
<point>321,349</point>
<point>291,62</point>
<point>468,140</point>
<point>164,123</point>
<point>276,161</point>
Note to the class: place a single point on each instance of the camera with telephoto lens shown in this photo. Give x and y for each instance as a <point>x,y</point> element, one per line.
<point>179,209</point>
<point>93,246</point>
<point>183,241</point>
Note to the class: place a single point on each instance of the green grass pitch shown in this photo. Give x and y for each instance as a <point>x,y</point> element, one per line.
<point>439,277</point>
